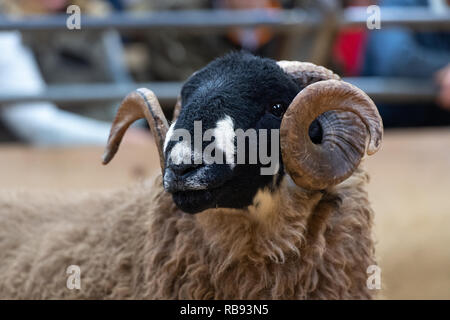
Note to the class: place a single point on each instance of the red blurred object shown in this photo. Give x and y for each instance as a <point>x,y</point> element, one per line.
<point>349,49</point>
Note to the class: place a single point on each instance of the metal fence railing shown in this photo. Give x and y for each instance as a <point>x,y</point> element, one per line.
<point>290,21</point>
<point>221,20</point>
<point>379,89</point>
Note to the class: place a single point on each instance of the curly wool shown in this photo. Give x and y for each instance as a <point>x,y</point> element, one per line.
<point>136,244</point>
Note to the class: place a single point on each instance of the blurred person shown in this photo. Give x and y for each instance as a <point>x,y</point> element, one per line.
<point>350,44</point>
<point>443,80</point>
<point>42,7</point>
<point>42,123</point>
<point>175,55</point>
<point>251,39</point>
<point>399,52</point>
<point>67,56</point>
<point>39,123</point>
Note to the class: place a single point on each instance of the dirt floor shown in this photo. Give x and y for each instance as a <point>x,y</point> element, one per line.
<point>410,192</point>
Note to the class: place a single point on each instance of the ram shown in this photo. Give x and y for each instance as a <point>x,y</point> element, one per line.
<point>207,230</point>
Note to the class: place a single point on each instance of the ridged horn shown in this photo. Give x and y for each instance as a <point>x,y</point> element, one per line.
<point>139,104</point>
<point>348,118</point>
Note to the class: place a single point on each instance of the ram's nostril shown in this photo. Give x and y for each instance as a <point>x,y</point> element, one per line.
<point>183,169</point>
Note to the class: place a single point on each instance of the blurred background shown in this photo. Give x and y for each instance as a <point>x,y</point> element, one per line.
<point>60,87</point>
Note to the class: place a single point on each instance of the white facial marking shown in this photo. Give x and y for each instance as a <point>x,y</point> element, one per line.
<point>181,153</point>
<point>224,135</point>
<point>224,142</point>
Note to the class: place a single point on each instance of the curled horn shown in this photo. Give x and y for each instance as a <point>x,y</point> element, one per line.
<point>141,103</point>
<point>348,118</point>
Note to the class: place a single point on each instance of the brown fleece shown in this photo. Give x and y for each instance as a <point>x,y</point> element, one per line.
<point>136,244</point>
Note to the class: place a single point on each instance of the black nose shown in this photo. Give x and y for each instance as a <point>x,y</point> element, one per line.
<point>175,176</point>
<point>182,169</point>
<point>197,177</point>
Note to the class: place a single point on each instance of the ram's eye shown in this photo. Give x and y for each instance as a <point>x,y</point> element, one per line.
<point>277,109</point>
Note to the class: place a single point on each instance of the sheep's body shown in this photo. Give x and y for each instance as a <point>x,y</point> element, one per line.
<point>281,240</point>
<point>136,244</point>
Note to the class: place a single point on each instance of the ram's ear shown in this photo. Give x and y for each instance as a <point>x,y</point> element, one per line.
<point>139,104</point>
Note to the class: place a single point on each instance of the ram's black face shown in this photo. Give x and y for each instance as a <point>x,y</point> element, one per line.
<point>238,91</point>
